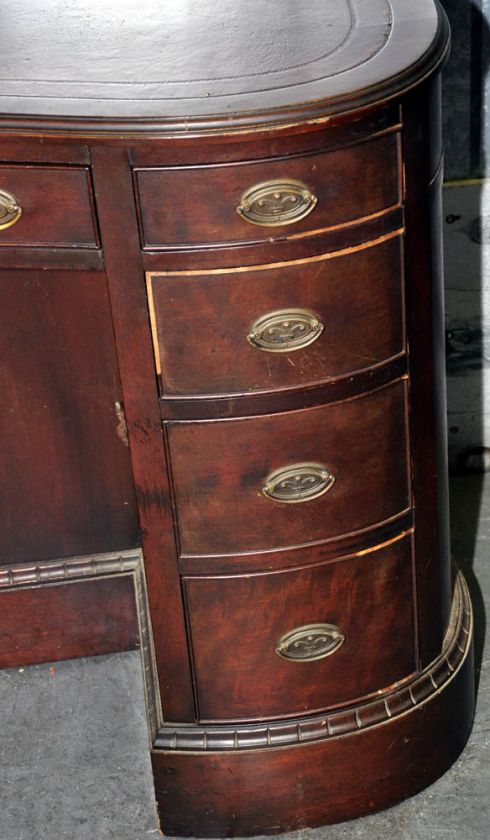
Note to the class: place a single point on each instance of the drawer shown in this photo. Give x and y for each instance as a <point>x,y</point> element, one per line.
<point>56,204</point>
<point>292,478</point>
<point>199,205</point>
<point>270,327</point>
<point>256,638</point>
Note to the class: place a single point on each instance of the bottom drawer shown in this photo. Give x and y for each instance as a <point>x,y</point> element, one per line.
<point>253,657</point>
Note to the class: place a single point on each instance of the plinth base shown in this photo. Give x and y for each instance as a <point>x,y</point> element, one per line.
<point>223,781</point>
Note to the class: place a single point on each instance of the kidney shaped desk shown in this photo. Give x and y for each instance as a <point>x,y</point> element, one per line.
<point>222,377</point>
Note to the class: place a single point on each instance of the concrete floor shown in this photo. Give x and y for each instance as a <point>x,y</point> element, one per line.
<point>74,762</point>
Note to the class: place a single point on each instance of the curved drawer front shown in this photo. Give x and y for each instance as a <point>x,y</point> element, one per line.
<point>238,331</point>
<point>342,468</point>
<point>256,202</point>
<point>55,204</point>
<point>267,645</point>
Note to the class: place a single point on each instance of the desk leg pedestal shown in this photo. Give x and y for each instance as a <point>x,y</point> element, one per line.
<point>220,781</point>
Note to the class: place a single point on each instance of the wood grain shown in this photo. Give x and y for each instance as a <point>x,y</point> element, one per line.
<point>243,791</point>
<point>171,121</point>
<point>114,195</point>
<point>86,618</point>
<point>203,349</point>
<point>236,622</point>
<point>56,203</point>
<point>65,478</point>
<point>219,469</point>
<point>349,183</point>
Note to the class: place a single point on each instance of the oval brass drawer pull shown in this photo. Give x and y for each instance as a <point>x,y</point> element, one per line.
<point>285,330</point>
<point>298,483</point>
<point>10,212</point>
<point>310,642</point>
<point>274,203</point>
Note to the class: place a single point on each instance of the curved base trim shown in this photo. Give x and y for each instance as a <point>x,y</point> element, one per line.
<point>388,705</point>
<point>233,781</point>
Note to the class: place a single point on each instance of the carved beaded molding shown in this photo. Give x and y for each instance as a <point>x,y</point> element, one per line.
<point>69,569</point>
<point>73,569</point>
<point>402,700</point>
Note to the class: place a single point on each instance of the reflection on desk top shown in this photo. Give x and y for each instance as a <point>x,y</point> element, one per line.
<point>200,66</point>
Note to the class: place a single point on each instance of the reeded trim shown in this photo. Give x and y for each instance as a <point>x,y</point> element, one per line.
<point>393,703</point>
<point>70,570</point>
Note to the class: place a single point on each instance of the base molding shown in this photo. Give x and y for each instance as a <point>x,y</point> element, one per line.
<point>70,607</point>
<point>218,781</point>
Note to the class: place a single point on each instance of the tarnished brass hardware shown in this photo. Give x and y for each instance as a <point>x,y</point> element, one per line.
<point>310,642</point>
<point>10,212</point>
<point>273,203</point>
<point>285,330</point>
<point>298,483</point>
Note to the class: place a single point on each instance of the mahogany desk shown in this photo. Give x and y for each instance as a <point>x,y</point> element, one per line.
<point>222,344</point>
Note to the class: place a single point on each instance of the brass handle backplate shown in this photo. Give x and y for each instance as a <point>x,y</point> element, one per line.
<point>298,483</point>
<point>10,212</point>
<point>310,642</point>
<point>285,330</point>
<point>274,203</point>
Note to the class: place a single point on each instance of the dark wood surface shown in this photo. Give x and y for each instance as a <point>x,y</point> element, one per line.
<point>294,556</point>
<point>34,150</point>
<point>361,234</point>
<point>349,184</point>
<point>264,792</point>
<point>202,348</point>
<point>236,622</point>
<point>338,133</point>
<point>65,475</point>
<point>114,195</point>
<point>425,324</point>
<point>57,206</point>
<point>134,166</point>
<point>210,67</point>
<point>64,259</point>
<point>283,399</point>
<point>220,468</point>
<point>85,618</point>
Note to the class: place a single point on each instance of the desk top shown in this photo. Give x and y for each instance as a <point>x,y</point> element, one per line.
<point>180,66</point>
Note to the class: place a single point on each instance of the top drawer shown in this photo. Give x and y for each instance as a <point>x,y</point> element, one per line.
<point>46,205</point>
<point>255,202</point>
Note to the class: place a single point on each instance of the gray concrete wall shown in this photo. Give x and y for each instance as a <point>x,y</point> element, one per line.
<point>466,122</point>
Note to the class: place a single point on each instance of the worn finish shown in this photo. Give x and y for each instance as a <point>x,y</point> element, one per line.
<point>81,606</point>
<point>86,618</point>
<point>265,800</point>
<point>376,766</point>
<point>275,382</point>
<point>73,743</point>
<point>180,69</point>
<point>56,205</point>
<point>370,712</point>
<point>425,325</point>
<point>208,197</point>
<point>210,352</point>
<point>219,469</point>
<point>65,485</point>
<point>131,323</point>
<point>238,672</point>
